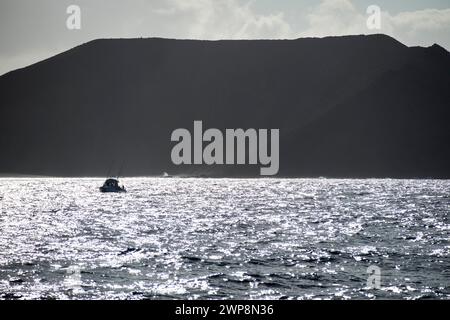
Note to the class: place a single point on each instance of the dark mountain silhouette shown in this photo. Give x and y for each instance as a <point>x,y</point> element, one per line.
<point>355,106</point>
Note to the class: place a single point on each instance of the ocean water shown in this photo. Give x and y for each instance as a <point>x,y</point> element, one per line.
<point>224,239</point>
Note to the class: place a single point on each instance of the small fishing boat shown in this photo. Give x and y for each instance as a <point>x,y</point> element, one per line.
<point>112,185</point>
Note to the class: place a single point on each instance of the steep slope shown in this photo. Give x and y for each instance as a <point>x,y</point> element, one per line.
<point>397,127</point>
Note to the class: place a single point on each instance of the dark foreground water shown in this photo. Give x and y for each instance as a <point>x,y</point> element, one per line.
<point>224,238</point>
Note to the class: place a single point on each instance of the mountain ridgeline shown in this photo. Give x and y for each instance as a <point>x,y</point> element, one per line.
<point>354,106</point>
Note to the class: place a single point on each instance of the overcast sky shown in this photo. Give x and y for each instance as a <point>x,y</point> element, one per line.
<point>32,30</point>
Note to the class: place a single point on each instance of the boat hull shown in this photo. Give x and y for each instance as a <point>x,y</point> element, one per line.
<point>111,190</point>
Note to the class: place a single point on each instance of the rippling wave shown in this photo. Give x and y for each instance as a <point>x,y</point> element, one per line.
<point>224,238</point>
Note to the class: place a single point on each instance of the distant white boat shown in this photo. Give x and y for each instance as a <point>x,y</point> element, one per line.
<point>166,175</point>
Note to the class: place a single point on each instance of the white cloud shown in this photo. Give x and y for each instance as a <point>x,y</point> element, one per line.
<point>224,19</point>
<point>334,18</point>
<point>423,20</point>
<point>340,17</point>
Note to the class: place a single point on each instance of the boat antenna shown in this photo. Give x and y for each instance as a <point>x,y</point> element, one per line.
<point>120,170</point>
<point>109,170</point>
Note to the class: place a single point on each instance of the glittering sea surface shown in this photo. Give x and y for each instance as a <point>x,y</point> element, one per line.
<point>193,238</point>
